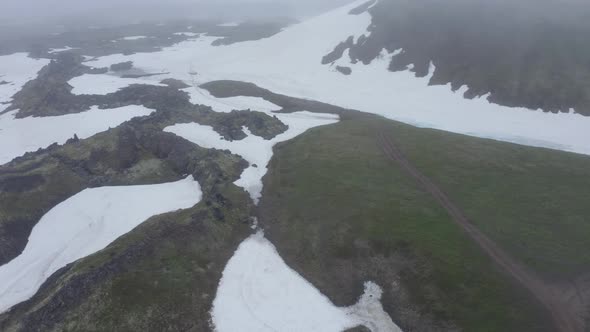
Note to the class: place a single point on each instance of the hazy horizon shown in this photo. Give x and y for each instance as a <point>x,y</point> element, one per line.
<point>41,11</point>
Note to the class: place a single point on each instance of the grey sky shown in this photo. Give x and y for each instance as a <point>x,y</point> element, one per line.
<point>34,10</point>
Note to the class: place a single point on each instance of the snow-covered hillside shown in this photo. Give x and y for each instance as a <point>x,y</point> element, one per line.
<point>83,225</point>
<point>290,63</point>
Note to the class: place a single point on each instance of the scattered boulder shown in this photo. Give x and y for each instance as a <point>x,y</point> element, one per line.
<point>74,139</point>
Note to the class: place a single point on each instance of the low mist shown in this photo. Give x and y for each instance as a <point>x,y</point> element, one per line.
<point>124,11</point>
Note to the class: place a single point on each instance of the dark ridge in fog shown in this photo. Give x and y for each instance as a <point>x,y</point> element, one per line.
<point>528,53</point>
<point>106,11</point>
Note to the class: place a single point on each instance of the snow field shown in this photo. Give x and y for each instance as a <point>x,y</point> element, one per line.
<point>290,63</point>
<point>83,225</point>
<point>103,84</point>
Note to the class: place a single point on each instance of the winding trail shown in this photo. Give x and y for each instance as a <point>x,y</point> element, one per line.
<point>567,308</point>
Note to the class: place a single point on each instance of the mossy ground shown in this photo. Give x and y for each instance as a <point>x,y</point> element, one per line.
<point>341,213</point>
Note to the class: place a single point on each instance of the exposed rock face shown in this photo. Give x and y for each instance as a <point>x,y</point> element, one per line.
<point>358,329</point>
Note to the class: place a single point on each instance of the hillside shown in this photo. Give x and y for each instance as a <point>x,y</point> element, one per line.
<point>386,166</point>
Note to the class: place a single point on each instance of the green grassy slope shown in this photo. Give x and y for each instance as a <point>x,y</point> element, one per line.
<point>340,213</point>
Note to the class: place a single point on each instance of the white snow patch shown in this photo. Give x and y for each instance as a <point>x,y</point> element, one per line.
<point>369,310</point>
<point>102,84</point>
<point>134,38</point>
<point>17,69</point>
<point>200,96</point>
<point>254,149</point>
<point>85,224</point>
<point>18,136</point>
<point>258,292</point>
<point>290,63</point>
<point>57,50</point>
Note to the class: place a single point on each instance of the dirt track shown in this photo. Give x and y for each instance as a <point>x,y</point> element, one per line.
<point>567,306</point>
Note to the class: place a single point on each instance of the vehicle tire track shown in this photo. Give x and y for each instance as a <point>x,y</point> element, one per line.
<point>567,315</point>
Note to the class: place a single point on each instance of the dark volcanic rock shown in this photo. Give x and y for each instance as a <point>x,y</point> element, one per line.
<point>50,94</point>
<point>187,249</point>
<point>176,84</point>
<point>122,66</point>
<point>344,70</point>
<point>138,152</point>
<point>258,123</point>
<point>536,58</point>
<point>224,89</point>
<point>358,329</point>
<point>362,8</point>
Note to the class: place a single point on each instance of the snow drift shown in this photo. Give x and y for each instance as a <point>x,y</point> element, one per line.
<point>16,70</point>
<point>18,136</point>
<point>84,224</point>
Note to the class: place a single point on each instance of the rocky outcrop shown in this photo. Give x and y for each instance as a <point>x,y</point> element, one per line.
<point>123,66</point>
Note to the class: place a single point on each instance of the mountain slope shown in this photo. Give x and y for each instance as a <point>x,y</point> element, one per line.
<point>374,222</point>
<point>290,63</point>
<point>530,54</point>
